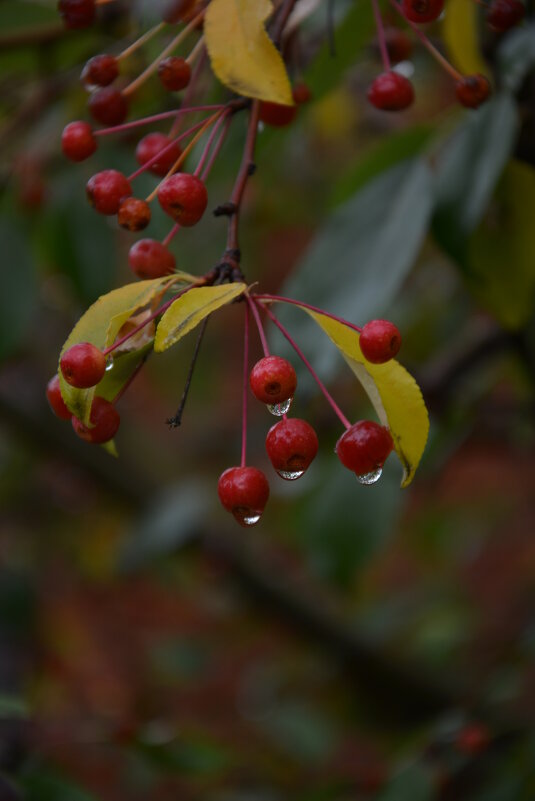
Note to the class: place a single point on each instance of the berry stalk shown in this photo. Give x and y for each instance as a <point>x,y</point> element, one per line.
<point>259,325</point>
<point>245,388</point>
<point>146,37</point>
<point>265,296</point>
<point>164,115</point>
<point>381,35</point>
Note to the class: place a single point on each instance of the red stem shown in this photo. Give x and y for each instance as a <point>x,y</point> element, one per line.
<point>381,35</point>
<point>245,387</point>
<point>171,235</point>
<point>209,143</point>
<point>239,187</point>
<point>164,115</point>
<point>259,325</point>
<point>308,306</point>
<point>217,149</point>
<point>190,90</point>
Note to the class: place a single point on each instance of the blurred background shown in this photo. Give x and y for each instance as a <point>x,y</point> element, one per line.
<point>360,642</point>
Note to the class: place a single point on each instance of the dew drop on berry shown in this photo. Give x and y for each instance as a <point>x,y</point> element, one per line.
<point>370,478</point>
<point>290,475</point>
<point>109,364</point>
<point>248,518</point>
<point>280,409</point>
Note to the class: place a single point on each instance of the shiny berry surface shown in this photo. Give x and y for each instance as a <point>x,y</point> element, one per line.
<point>273,380</point>
<point>55,399</point>
<point>83,365</point>
<point>422,10</point>
<point>134,214</point>
<point>379,341</point>
<point>174,73</point>
<point>77,13</point>
<point>149,147</point>
<point>184,198</point>
<point>244,492</point>
<point>77,141</point>
<point>100,70</point>
<point>108,106</point>
<point>472,91</point>
<point>148,258</point>
<point>505,14</point>
<point>291,445</point>
<point>105,420</point>
<point>277,115</point>
<point>106,189</point>
<point>364,447</point>
<point>391,91</point>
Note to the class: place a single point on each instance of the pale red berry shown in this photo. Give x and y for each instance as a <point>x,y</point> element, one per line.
<point>105,422</point>
<point>83,365</point>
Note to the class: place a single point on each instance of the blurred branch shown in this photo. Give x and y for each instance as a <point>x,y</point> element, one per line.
<point>32,36</point>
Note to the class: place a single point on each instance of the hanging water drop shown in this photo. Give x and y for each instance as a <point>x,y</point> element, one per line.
<point>280,409</point>
<point>109,364</point>
<point>251,519</point>
<point>290,475</point>
<point>371,477</point>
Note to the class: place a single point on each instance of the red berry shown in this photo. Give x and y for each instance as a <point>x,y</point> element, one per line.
<point>100,70</point>
<point>391,91</point>
<point>108,106</point>
<point>184,198</point>
<point>77,141</point>
<point>148,258</point>
<point>505,14</point>
<point>472,90</point>
<point>273,380</point>
<point>244,491</point>
<point>105,420</point>
<point>177,11</point>
<point>134,214</point>
<point>364,447</point>
<point>55,399</point>
<point>379,341</point>
<point>106,189</point>
<point>276,114</point>
<point>422,10</point>
<point>473,739</point>
<point>152,144</point>
<point>77,13</point>
<point>83,365</point>
<point>301,93</point>
<point>398,45</point>
<point>174,73</point>
<point>291,445</point>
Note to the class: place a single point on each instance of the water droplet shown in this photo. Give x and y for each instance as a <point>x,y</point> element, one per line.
<point>371,477</point>
<point>250,520</point>
<point>245,516</point>
<point>280,409</point>
<point>109,364</point>
<point>290,475</point>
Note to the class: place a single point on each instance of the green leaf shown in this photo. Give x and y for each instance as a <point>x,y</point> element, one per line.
<point>18,296</point>
<point>190,310</point>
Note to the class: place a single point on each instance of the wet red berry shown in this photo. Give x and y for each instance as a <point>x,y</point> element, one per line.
<point>398,45</point>
<point>379,341</point>
<point>301,94</point>
<point>83,365</point>
<point>100,70</point>
<point>184,198</point>
<point>106,189</point>
<point>422,10</point>
<point>148,258</point>
<point>108,106</point>
<point>77,141</point>
<point>174,73</point>
<point>391,91</point>
<point>55,399</point>
<point>472,91</point>
<point>364,447</point>
<point>291,445</point>
<point>276,114</point>
<point>77,13</point>
<point>105,420</point>
<point>244,491</point>
<point>505,14</point>
<point>152,144</point>
<point>134,214</point>
<point>273,380</point>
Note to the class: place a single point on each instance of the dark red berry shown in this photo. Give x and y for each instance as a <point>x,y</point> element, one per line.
<point>148,258</point>
<point>108,106</point>
<point>473,739</point>
<point>244,491</point>
<point>391,91</point>
<point>276,114</point>
<point>77,141</point>
<point>301,94</point>
<point>154,143</point>
<point>105,420</point>
<point>106,189</point>
<point>177,11</point>
<point>77,13</point>
<point>422,10</point>
<point>505,14</point>
<point>184,198</point>
<point>100,70</point>
<point>291,445</point>
<point>55,399</point>
<point>398,45</point>
<point>174,73</point>
<point>364,447</point>
<point>472,91</point>
<point>273,380</point>
<point>379,341</point>
<point>133,214</point>
<point>83,365</point>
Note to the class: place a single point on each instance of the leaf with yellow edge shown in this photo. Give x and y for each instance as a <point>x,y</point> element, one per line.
<point>243,56</point>
<point>190,310</point>
<point>460,35</point>
<point>100,325</point>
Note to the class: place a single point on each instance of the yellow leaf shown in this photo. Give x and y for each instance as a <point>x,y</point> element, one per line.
<point>190,310</point>
<point>460,35</point>
<point>242,55</point>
